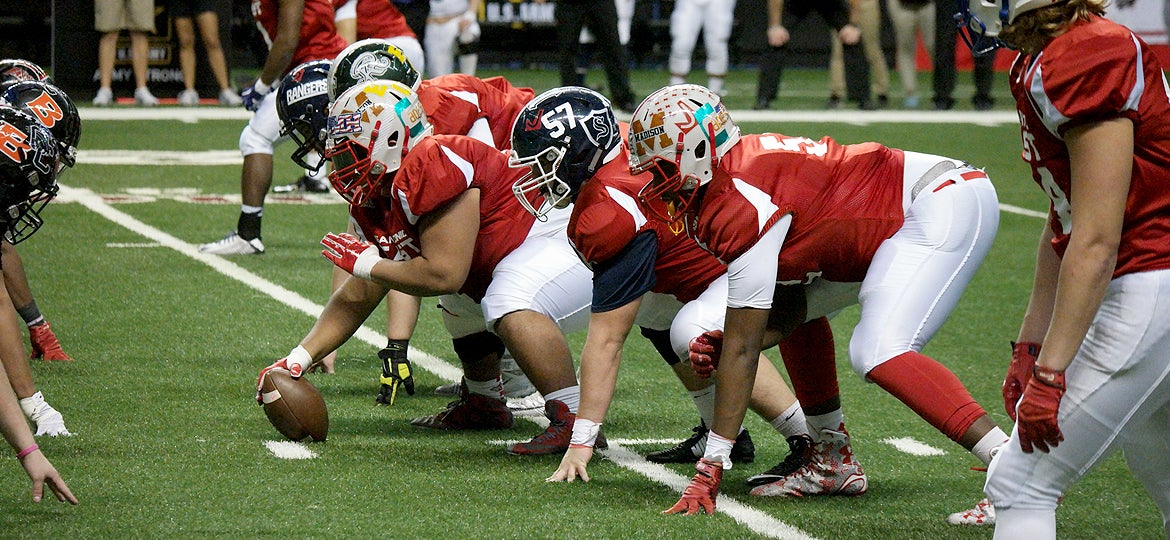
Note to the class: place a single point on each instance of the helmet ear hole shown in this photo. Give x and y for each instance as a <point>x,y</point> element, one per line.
<point>701,149</point>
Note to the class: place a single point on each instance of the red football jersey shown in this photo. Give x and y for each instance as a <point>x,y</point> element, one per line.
<point>606,217</point>
<point>433,174</point>
<point>318,39</point>
<point>454,102</point>
<point>378,19</point>
<point>1096,71</point>
<point>845,200</point>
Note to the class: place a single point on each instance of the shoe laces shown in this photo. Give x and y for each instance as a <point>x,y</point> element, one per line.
<point>798,456</point>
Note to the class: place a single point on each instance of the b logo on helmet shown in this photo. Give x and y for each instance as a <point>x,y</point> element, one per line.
<point>13,142</point>
<point>46,109</point>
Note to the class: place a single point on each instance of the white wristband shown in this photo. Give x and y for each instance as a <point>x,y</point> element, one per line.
<point>364,265</point>
<point>300,358</point>
<point>261,88</point>
<point>584,432</point>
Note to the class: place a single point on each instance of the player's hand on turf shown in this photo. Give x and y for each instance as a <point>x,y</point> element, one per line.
<point>351,254</point>
<point>573,464</point>
<point>254,95</point>
<point>1036,420</point>
<point>1019,372</point>
<point>44,474</point>
<point>279,364</point>
<point>702,491</point>
<point>705,351</point>
<point>396,372</point>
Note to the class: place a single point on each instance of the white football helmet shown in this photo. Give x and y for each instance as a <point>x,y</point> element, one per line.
<point>981,21</point>
<point>370,127</point>
<point>678,133</point>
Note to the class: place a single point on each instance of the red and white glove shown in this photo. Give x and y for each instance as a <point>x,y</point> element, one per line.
<point>1036,421</point>
<point>1019,372</point>
<point>702,491</point>
<point>295,364</point>
<point>355,256</point>
<point>704,352</point>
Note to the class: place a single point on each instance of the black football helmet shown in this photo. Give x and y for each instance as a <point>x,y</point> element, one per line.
<point>53,108</point>
<point>302,102</point>
<point>563,136</point>
<point>28,171</point>
<point>14,70</point>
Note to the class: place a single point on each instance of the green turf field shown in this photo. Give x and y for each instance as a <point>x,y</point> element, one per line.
<point>167,344</point>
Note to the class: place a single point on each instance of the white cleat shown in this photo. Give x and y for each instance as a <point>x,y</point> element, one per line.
<point>232,244</point>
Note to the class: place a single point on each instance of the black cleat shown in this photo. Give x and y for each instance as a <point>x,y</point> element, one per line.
<point>303,184</point>
<point>799,450</point>
<point>744,450</point>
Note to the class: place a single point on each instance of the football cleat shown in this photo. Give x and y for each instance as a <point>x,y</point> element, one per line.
<point>982,514</point>
<point>530,405</point>
<point>45,344</point>
<point>469,412</point>
<point>516,383</point>
<point>555,439</point>
<point>800,448</point>
<point>831,470</point>
<point>690,450</point>
<point>449,389</point>
<point>233,244</point>
<point>304,184</point>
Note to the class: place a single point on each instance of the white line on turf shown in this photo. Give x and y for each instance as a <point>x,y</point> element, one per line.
<point>289,450</point>
<point>759,522</point>
<point>913,447</point>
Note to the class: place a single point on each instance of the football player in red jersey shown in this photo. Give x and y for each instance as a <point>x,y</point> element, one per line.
<point>911,228</point>
<point>440,220</point>
<point>1095,119</point>
<point>297,31</point>
<point>28,170</point>
<point>378,19</point>
<point>643,274</point>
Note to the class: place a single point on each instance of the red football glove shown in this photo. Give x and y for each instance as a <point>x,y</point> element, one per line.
<point>1019,372</point>
<point>705,351</point>
<point>351,254</point>
<point>1037,411</point>
<point>279,364</point>
<point>702,491</point>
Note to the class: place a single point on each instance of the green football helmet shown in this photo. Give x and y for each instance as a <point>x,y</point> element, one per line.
<point>369,60</point>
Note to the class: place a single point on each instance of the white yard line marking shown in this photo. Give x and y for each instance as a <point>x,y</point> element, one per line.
<point>133,245</point>
<point>759,522</point>
<point>160,157</point>
<point>289,450</point>
<point>913,447</point>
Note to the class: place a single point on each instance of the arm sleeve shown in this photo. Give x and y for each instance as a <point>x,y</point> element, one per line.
<point>751,277</point>
<point>628,275</point>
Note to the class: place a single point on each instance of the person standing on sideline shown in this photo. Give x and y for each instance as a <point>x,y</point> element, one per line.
<point>201,12</point>
<point>110,18</point>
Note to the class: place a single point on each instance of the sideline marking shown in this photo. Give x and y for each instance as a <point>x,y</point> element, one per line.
<point>756,520</point>
<point>289,450</point>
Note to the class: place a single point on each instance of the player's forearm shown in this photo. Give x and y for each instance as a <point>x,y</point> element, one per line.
<point>348,307</point>
<point>418,277</point>
<point>1039,313</point>
<point>742,334</point>
<point>600,358</point>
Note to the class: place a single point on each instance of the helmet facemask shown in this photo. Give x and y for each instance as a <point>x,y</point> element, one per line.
<point>542,180</point>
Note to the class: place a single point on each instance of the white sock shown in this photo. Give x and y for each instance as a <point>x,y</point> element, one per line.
<point>570,396</point>
<point>791,422</point>
<point>493,388</point>
<point>990,441</point>
<point>831,421</point>
<point>246,209</point>
<point>704,400</point>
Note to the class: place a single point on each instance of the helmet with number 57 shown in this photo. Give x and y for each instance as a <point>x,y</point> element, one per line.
<point>371,126</point>
<point>563,136</point>
<point>678,134</point>
<point>369,60</point>
<point>28,173</point>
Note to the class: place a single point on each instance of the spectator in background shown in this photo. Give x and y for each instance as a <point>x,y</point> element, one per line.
<point>416,13</point>
<point>601,18</point>
<point>110,18</point>
<point>910,17</point>
<point>202,12</point>
<point>794,12</point>
<point>452,30</point>
<point>945,33</point>
<point>867,15</point>
<point>713,18</point>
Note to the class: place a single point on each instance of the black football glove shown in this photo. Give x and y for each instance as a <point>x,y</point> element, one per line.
<point>396,371</point>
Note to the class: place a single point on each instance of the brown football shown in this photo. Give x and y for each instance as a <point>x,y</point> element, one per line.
<point>294,406</point>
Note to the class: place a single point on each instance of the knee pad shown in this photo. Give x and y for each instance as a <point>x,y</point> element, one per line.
<point>661,341</point>
<point>253,142</point>
<point>477,346</point>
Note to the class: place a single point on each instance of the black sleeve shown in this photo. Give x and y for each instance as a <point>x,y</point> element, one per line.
<point>835,12</point>
<point>626,276</point>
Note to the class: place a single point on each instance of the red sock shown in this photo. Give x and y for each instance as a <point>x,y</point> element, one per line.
<point>810,359</point>
<point>930,390</point>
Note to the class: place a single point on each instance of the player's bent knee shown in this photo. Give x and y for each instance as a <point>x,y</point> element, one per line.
<point>252,142</point>
<point>478,346</point>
